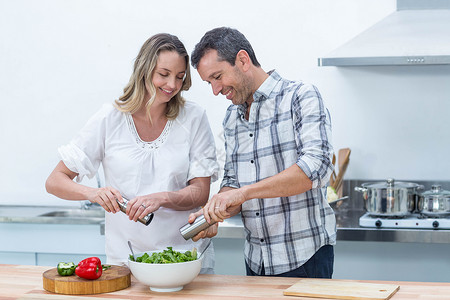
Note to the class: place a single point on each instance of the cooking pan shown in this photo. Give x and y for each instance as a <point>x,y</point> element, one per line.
<point>434,203</point>
<point>390,198</point>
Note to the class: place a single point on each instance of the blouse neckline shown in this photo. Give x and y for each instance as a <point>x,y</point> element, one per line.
<point>153,145</point>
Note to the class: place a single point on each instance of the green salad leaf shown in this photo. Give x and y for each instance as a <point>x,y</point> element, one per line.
<point>168,256</point>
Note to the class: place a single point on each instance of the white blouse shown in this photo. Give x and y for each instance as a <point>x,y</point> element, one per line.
<point>184,150</point>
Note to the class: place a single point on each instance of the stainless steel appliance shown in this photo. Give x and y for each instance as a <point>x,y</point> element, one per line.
<point>415,220</point>
<point>395,204</point>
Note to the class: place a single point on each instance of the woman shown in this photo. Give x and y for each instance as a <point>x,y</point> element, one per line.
<point>157,151</point>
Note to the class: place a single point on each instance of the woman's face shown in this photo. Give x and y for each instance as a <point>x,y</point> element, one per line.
<point>168,75</point>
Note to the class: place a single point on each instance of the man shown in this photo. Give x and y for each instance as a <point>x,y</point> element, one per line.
<point>278,161</point>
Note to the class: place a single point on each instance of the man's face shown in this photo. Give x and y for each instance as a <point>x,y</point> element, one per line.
<point>225,79</point>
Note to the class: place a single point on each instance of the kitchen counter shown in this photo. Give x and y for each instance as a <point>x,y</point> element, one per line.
<point>347,217</point>
<point>25,282</point>
<point>50,215</point>
<point>230,228</point>
<point>349,230</point>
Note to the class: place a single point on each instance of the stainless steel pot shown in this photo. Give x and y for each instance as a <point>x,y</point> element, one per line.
<point>390,198</point>
<point>434,203</point>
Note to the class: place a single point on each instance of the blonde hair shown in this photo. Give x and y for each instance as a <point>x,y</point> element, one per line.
<point>134,92</point>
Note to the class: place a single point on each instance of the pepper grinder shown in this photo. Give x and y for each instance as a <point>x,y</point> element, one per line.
<point>192,229</point>
<point>123,207</point>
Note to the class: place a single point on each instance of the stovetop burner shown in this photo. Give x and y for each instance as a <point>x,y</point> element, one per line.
<point>417,221</point>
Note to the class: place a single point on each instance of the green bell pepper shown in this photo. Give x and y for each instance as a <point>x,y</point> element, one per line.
<point>66,269</point>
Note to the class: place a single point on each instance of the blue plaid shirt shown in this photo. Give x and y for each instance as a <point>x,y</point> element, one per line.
<point>288,124</point>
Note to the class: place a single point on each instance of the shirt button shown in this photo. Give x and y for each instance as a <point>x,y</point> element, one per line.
<point>262,240</point>
<point>257,214</point>
<point>252,161</point>
<point>251,134</point>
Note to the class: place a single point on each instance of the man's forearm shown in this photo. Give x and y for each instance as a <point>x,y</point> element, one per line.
<point>226,188</point>
<point>292,181</point>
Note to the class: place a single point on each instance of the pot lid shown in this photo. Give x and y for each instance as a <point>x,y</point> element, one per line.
<point>390,183</point>
<point>436,191</point>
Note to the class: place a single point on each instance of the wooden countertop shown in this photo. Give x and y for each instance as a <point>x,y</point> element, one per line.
<point>25,282</point>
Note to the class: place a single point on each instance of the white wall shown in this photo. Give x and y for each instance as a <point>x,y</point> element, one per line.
<point>61,60</point>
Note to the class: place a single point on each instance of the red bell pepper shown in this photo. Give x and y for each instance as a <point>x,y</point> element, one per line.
<point>89,268</point>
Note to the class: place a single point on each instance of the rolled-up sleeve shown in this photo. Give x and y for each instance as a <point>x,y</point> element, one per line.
<point>312,126</point>
<point>203,162</point>
<point>84,153</point>
<point>229,173</point>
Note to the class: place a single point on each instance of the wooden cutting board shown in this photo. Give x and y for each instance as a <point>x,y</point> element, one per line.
<point>340,289</point>
<point>113,279</point>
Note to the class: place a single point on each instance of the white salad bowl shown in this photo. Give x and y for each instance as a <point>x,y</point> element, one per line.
<point>165,277</point>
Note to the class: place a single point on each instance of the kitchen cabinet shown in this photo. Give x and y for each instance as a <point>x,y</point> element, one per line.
<point>392,261</point>
<point>229,254</point>
<point>48,244</point>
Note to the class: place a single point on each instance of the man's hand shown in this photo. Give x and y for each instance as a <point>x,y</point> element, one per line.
<point>210,232</point>
<point>224,205</point>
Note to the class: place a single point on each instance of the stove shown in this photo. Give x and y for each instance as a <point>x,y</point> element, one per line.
<point>417,221</point>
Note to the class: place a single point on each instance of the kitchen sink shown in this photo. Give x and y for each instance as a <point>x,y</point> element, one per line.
<point>76,213</point>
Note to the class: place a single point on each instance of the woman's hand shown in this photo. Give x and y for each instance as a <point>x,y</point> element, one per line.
<point>141,206</point>
<point>106,198</point>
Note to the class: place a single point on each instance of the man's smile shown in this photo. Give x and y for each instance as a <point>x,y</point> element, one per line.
<point>228,94</point>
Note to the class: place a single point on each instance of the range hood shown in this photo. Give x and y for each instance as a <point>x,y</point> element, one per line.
<point>417,33</point>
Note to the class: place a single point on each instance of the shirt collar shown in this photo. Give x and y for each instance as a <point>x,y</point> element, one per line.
<point>263,91</point>
<point>267,86</point>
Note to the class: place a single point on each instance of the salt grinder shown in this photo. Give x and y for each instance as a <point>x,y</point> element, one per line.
<point>190,230</point>
<point>145,220</point>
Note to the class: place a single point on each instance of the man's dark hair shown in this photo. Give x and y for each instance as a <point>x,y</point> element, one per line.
<point>227,42</point>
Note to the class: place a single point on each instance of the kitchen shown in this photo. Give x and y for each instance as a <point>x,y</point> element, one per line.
<point>62,60</point>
